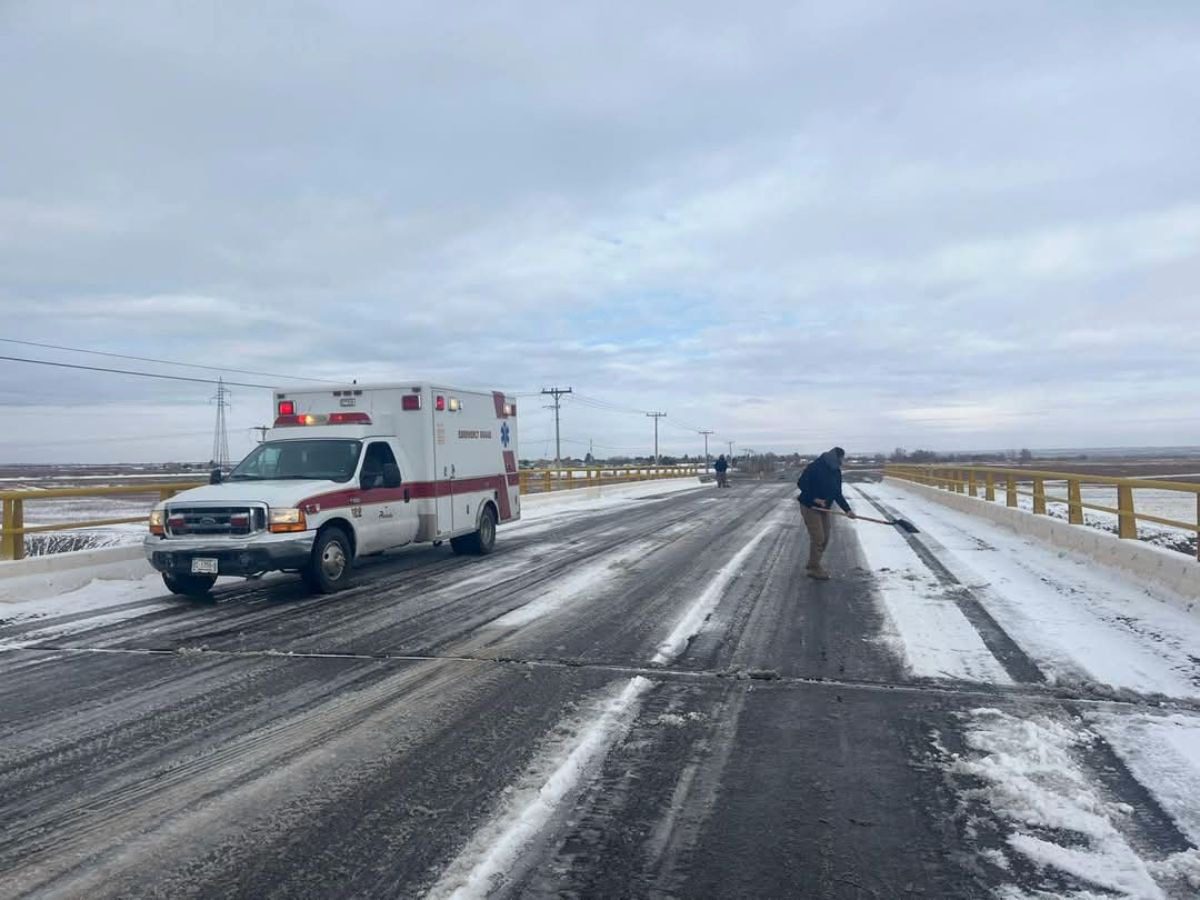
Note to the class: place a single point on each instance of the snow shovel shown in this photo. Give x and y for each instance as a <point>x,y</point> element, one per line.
<point>902,524</point>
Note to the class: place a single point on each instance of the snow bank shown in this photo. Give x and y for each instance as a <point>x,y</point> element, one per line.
<point>39,577</point>
<point>1176,575</point>
<point>927,629</point>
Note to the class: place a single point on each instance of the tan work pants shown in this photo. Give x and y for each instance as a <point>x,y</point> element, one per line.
<point>820,529</point>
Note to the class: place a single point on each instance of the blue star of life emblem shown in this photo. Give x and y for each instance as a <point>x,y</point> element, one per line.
<point>505,434</point>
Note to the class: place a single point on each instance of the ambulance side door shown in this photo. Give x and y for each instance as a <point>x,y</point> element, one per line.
<point>387,517</point>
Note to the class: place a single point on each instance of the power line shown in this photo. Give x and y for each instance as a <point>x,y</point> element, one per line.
<point>74,442</point>
<point>63,365</point>
<point>607,406</point>
<point>165,362</point>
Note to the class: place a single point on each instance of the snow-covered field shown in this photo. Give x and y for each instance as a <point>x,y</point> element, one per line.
<point>1174,505</point>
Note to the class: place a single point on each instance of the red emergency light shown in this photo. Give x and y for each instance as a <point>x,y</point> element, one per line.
<point>287,408</point>
<point>411,402</point>
<point>441,403</point>
<point>339,418</point>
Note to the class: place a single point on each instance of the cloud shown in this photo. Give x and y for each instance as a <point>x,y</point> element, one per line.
<point>875,224</point>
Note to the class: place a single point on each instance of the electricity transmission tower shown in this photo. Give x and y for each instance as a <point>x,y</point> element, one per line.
<point>556,393</point>
<point>220,452</point>
<point>656,416</point>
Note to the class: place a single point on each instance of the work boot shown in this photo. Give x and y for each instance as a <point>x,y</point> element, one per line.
<point>819,574</point>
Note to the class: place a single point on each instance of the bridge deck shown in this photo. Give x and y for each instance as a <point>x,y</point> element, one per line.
<point>644,699</point>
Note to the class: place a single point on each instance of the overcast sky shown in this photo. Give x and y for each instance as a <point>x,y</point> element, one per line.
<point>927,224</point>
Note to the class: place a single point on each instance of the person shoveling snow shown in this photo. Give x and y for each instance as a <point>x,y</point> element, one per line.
<point>820,487</point>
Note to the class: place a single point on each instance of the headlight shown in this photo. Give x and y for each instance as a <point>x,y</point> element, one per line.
<point>284,520</point>
<point>156,521</point>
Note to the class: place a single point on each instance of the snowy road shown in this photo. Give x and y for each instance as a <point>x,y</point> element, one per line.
<point>637,698</point>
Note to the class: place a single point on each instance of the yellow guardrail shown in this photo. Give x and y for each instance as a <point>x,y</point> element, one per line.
<point>971,480</point>
<point>537,481</point>
<point>13,528</point>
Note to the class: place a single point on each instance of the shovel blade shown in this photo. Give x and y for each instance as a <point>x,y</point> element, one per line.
<point>905,525</point>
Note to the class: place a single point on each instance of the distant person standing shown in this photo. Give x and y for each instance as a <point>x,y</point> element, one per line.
<point>722,466</point>
<point>820,487</point>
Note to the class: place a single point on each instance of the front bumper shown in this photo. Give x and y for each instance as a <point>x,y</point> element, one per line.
<point>247,556</point>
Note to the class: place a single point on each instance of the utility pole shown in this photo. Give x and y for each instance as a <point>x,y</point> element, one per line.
<point>731,443</point>
<point>656,416</point>
<point>706,434</point>
<point>220,453</point>
<point>556,393</point>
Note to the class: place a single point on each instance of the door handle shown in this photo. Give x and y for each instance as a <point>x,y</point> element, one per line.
<point>407,496</point>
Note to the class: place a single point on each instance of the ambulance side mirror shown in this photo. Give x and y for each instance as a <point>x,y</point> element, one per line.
<point>391,475</point>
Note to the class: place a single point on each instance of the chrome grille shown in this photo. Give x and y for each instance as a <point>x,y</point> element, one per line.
<point>202,521</point>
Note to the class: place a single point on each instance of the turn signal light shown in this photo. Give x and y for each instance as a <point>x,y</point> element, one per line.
<point>156,522</point>
<point>284,521</point>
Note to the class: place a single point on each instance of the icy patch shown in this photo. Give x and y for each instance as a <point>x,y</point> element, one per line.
<point>481,867</point>
<point>1163,753</point>
<point>539,510</point>
<point>1060,822</point>
<point>579,585</point>
<point>693,620</point>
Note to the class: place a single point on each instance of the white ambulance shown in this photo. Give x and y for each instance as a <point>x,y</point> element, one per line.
<point>347,472</point>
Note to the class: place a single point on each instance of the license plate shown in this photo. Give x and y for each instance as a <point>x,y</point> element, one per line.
<point>204,567</point>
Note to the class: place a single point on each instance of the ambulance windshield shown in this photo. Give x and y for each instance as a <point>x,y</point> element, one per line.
<point>322,460</point>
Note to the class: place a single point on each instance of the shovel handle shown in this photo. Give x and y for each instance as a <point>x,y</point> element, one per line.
<point>838,512</point>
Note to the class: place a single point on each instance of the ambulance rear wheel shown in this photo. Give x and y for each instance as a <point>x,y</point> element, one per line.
<point>483,541</point>
<point>329,568</point>
<point>188,585</point>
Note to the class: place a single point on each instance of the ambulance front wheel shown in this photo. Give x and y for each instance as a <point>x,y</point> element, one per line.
<point>329,567</point>
<point>188,585</point>
<point>482,541</point>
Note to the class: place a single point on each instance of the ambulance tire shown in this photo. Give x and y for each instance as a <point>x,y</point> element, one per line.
<point>481,542</point>
<point>332,560</point>
<point>188,585</point>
